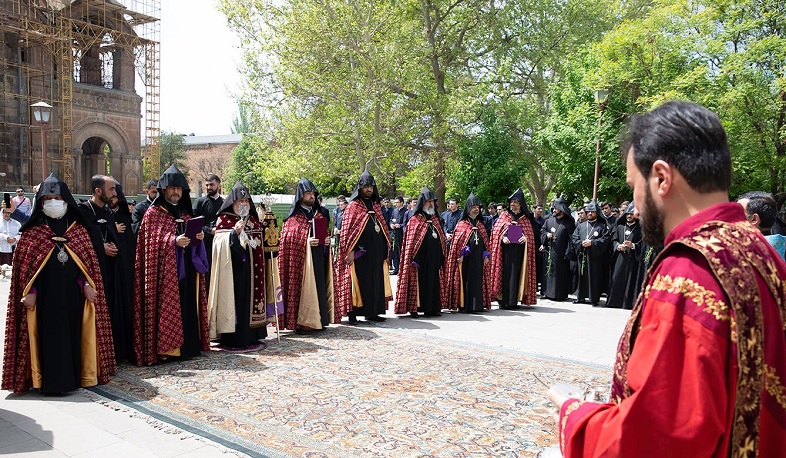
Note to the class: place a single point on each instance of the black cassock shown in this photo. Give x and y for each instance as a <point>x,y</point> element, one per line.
<point>592,261</point>
<point>647,256</point>
<point>244,335</point>
<point>102,229</point>
<point>557,275</point>
<point>430,259</point>
<point>472,271</point>
<point>124,285</point>
<point>59,310</point>
<point>625,266</point>
<point>368,267</point>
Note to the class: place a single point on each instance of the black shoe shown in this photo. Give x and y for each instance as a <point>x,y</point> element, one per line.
<point>376,318</point>
<point>596,304</point>
<point>579,301</point>
<point>353,319</point>
<point>304,332</point>
<point>414,314</point>
<point>503,307</point>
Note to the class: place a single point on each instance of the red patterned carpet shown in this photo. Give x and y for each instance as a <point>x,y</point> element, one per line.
<point>361,392</point>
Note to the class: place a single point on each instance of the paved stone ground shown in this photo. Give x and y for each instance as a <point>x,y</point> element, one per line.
<point>75,425</point>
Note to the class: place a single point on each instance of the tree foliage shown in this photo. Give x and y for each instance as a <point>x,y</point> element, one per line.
<point>173,151</point>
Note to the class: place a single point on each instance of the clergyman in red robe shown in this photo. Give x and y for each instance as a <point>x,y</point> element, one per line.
<point>420,286</point>
<point>513,270</point>
<point>701,365</point>
<point>170,299</point>
<point>58,336</point>
<point>306,265</point>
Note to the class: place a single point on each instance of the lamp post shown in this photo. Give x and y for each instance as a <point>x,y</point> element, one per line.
<point>42,112</point>
<point>601,95</point>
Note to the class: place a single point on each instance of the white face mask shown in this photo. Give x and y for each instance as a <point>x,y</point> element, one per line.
<point>54,208</point>
<point>242,210</point>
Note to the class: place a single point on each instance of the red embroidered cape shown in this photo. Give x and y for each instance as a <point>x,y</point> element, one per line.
<point>701,365</point>
<point>33,249</point>
<point>461,235</point>
<point>407,288</point>
<point>499,230</point>
<point>227,221</point>
<point>158,325</point>
<point>353,221</point>
<point>291,263</point>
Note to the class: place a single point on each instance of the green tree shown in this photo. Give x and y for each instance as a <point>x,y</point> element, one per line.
<point>173,151</point>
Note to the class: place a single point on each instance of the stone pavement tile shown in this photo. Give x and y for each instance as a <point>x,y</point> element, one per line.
<point>161,444</point>
<point>11,435</point>
<point>68,434</point>
<point>32,447</point>
<point>117,450</point>
<point>107,418</point>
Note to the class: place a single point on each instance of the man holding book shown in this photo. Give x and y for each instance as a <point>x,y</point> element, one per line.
<point>305,263</point>
<point>513,255</point>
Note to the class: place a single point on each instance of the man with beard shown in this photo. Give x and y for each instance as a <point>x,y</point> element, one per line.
<point>306,265</point>
<point>207,206</point>
<point>124,273</point>
<point>591,243</point>
<point>555,237</point>
<point>397,234</point>
<point>467,271</point>
<point>363,279</point>
<point>700,364</point>
<point>237,293</point>
<point>100,222</point>
<point>420,285</point>
<point>626,245</point>
<point>513,259</point>
<point>151,190</point>
<point>170,299</point>
<point>58,336</point>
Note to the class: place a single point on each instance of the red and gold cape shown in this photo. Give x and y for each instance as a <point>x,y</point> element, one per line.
<point>529,288</point>
<point>407,288</point>
<point>158,325</point>
<point>32,252</point>
<point>454,273</point>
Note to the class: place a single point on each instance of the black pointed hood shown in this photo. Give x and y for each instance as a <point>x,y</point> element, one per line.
<point>303,186</point>
<point>630,209</point>
<point>472,200</point>
<point>122,204</point>
<point>239,191</point>
<point>53,185</point>
<point>518,196</point>
<point>592,207</point>
<point>365,179</point>
<point>174,177</point>
<point>425,195</point>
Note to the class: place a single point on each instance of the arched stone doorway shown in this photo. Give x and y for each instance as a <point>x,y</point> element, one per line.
<point>95,160</point>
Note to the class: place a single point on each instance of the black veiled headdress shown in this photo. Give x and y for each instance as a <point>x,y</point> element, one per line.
<point>472,200</point>
<point>303,186</point>
<point>592,207</point>
<point>238,192</point>
<point>122,202</point>
<point>518,196</point>
<point>174,177</point>
<point>366,179</point>
<point>426,194</point>
<point>52,186</point>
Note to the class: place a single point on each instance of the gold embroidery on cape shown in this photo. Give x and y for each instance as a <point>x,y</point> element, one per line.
<point>569,410</point>
<point>699,295</point>
<point>774,386</point>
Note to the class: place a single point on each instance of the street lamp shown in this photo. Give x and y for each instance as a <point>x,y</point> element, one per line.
<point>601,95</point>
<point>42,112</point>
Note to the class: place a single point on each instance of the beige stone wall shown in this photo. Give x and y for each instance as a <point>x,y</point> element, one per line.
<point>206,159</point>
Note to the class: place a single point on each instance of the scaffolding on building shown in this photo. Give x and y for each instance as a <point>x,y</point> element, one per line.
<point>49,38</point>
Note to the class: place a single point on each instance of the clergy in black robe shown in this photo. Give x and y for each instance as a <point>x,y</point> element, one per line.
<point>151,189</point>
<point>363,279</point>
<point>124,270</point>
<point>237,294</point>
<point>467,269</point>
<point>555,236</point>
<point>100,221</point>
<point>420,285</point>
<point>397,234</point>
<point>591,242</point>
<point>626,243</point>
<point>208,206</point>
<point>58,336</point>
